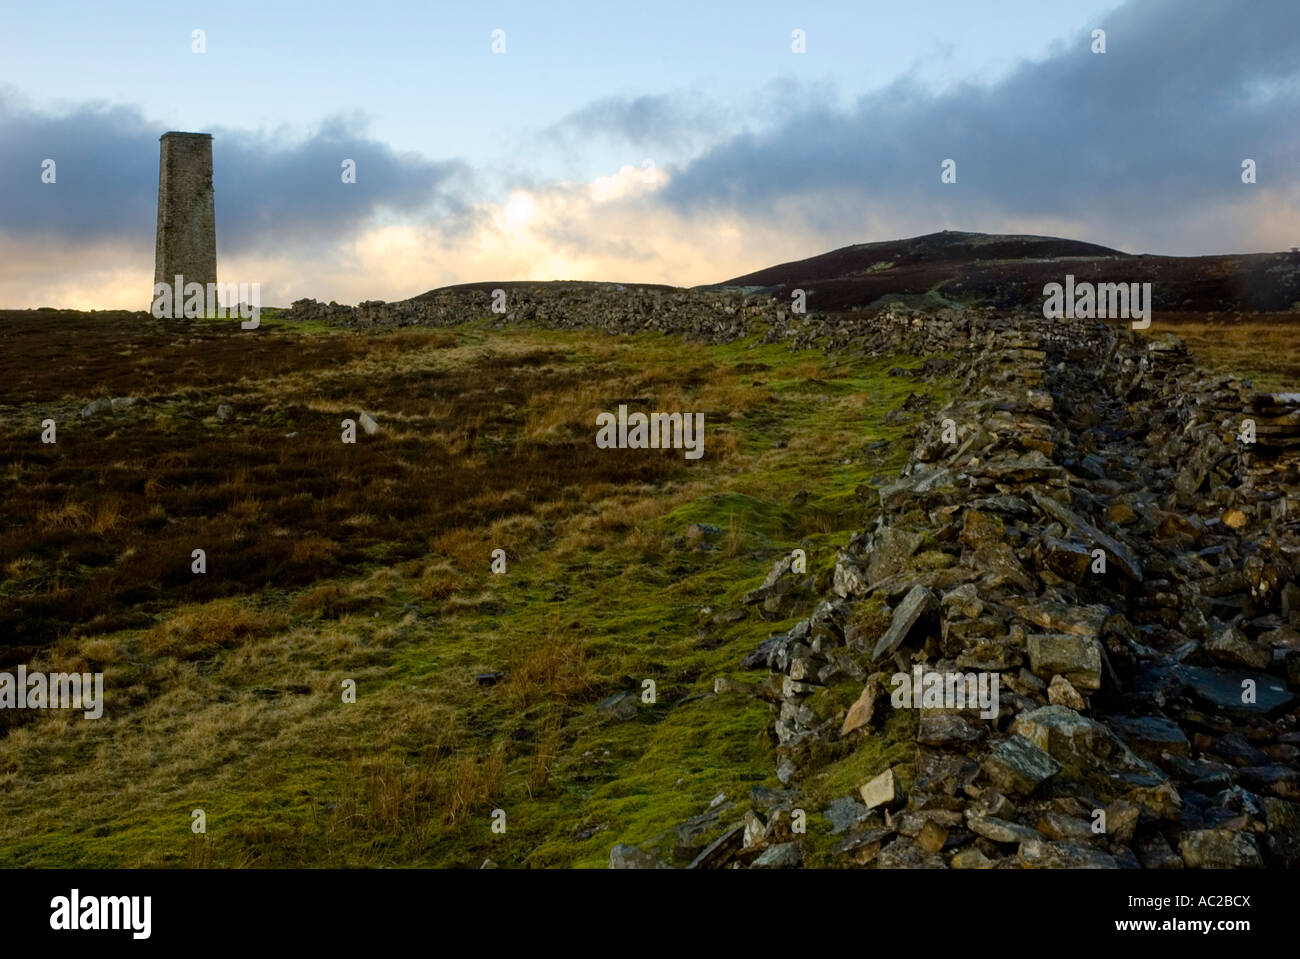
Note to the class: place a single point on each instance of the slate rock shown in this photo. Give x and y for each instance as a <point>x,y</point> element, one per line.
<point>1224,688</point>
<point>883,790</point>
<point>949,729</point>
<point>1153,852</point>
<point>1042,854</point>
<point>917,605</point>
<point>766,799</point>
<point>1116,552</point>
<point>1018,766</point>
<point>101,405</point>
<point>1061,692</point>
<point>981,529</point>
<point>631,857</point>
<point>1070,561</point>
<point>844,813</point>
<point>1077,658</point>
<point>1219,849</point>
<point>860,713</point>
<point>1230,646</point>
<point>1150,736</point>
<point>719,852</point>
<point>848,579</point>
<point>1283,831</point>
<point>1001,830</point>
<point>621,706</point>
<point>785,855</point>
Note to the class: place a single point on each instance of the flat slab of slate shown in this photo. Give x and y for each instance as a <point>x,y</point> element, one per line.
<point>1115,550</point>
<point>918,602</point>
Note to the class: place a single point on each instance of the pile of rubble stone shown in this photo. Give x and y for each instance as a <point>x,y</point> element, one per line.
<point>1102,538</point>
<point>712,315</point>
<point>613,308</point>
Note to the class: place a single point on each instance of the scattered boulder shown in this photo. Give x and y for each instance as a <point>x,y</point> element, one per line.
<point>885,790</point>
<point>844,813</point>
<point>620,706</point>
<point>95,407</point>
<point>863,708</point>
<point>632,857</point>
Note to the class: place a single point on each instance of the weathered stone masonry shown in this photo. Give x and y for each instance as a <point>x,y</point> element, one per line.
<point>187,233</point>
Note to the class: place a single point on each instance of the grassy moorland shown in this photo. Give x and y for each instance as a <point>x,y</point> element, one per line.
<point>371,562</point>
<point>1264,348</point>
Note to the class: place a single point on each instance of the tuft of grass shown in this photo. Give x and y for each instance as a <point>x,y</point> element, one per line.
<point>199,630</point>
<point>475,784</point>
<point>330,601</point>
<point>553,671</point>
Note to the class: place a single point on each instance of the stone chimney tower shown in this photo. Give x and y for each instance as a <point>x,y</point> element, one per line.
<point>187,231</point>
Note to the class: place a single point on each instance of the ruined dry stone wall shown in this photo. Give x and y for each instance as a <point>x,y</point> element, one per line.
<point>1147,714</point>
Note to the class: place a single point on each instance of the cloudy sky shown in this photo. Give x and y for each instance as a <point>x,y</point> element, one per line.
<point>631,142</point>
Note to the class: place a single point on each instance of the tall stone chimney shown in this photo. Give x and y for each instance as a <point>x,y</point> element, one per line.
<point>187,231</point>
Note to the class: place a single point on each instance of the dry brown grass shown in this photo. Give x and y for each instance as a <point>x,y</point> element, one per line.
<point>465,547</point>
<point>200,852</point>
<point>518,535</point>
<point>649,543</point>
<point>438,582</point>
<point>100,651</point>
<point>68,515</point>
<point>24,567</point>
<point>475,783</point>
<point>314,549</point>
<point>383,794</point>
<point>1264,348</point>
<point>550,738</point>
<point>481,448</point>
<point>816,522</point>
<point>552,671</point>
<point>735,538</point>
<point>197,630</point>
<point>555,414</point>
<point>329,601</point>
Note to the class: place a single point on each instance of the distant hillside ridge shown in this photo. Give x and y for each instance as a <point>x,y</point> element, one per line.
<point>939,270</point>
<point>1009,271</point>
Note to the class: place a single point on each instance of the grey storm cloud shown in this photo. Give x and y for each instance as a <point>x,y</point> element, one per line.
<point>669,120</point>
<point>1154,126</point>
<point>271,190</point>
